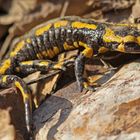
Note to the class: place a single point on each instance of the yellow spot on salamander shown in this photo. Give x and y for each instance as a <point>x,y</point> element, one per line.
<point>131,38</point>
<point>102,50</point>
<point>28,40</point>
<point>39,56</point>
<point>138,40</point>
<point>85,84</point>
<point>83,44</point>
<point>44,63</point>
<point>56,50</point>
<point>18,47</point>
<point>50,53</point>
<point>62,57</point>
<point>78,24</point>
<point>5,66</point>
<point>68,47</point>
<point>24,95</point>
<point>121,48</point>
<point>110,36</point>
<point>61,23</point>
<point>27,63</point>
<point>4,79</point>
<point>41,30</point>
<point>36,102</point>
<point>59,65</point>
<point>88,52</point>
<point>75,44</point>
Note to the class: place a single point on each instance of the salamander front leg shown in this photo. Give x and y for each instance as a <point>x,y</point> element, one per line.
<point>79,70</point>
<point>5,81</point>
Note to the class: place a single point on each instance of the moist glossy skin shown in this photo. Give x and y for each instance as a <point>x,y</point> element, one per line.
<point>35,50</point>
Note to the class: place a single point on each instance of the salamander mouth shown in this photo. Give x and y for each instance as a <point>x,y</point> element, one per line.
<point>133,52</point>
<point>132,48</point>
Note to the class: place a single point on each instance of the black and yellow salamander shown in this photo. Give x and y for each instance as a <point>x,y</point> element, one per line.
<point>35,50</point>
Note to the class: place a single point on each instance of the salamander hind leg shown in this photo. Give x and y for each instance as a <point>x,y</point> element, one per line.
<point>28,67</point>
<point>5,81</point>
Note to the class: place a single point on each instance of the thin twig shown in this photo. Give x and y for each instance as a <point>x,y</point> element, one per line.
<point>64,9</point>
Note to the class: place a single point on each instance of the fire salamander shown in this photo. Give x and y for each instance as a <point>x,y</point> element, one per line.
<point>35,51</point>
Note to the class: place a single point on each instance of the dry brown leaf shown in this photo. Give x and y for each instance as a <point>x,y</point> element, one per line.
<point>7,131</point>
<point>28,21</point>
<point>47,86</point>
<point>12,102</point>
<point>17,10</point>
<point>108,5</point>
<point>135,15</point>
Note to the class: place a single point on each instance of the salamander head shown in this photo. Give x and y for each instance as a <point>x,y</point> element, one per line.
<point>129,44</point>
<point>124,39</point>
<point>132,48</point>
